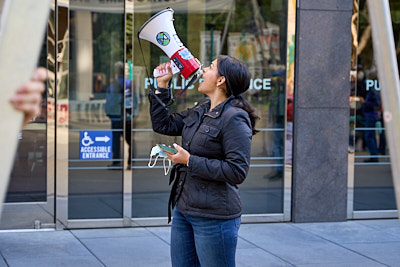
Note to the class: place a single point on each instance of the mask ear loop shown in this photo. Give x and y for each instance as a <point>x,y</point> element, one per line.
<point>155,161</point>
<point>169,166</point>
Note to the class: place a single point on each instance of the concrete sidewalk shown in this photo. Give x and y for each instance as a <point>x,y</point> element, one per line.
<point>351,243</point>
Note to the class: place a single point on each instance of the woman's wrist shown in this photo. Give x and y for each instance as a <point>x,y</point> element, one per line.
<point>162,84</point>
<point>161,89</point>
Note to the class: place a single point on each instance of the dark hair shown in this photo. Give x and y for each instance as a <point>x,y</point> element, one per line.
<point>237,80</point>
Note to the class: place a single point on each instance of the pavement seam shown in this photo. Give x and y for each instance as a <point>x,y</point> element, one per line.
<point>378,229</point>
<point>340,245</point>
<point>4,259</point>
<point>263,249</point>
<point>154,234</point>
<point>83,244</point>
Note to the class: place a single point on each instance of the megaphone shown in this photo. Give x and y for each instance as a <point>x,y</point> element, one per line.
<point>160,30</point>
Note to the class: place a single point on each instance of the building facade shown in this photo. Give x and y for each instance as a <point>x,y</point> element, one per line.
<point>318,156</point>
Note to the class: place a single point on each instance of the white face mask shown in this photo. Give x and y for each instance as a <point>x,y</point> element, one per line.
<point>157,152</point>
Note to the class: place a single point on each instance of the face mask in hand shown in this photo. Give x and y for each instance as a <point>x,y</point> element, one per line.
<point>157,152</point>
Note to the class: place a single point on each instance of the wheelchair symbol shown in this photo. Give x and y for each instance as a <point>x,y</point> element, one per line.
<point>86,140</point>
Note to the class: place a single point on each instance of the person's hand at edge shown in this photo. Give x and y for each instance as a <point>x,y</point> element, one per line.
<point>28,96</point>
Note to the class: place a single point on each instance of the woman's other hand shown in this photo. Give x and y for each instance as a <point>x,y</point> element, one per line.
<point>28,96</point>
<point>181,157</point>
<point>166,74</point>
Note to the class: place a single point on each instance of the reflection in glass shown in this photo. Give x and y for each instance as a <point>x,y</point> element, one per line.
<point>31,187</point>
<point>28,181</point>
<point>97,86</point>
<point>253,31</point>
<point>373,184</point>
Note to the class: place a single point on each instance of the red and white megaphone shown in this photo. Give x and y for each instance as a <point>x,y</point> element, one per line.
<point>160,30</point>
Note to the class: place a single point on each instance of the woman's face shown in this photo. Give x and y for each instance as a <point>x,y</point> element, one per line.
<point>210,76</point>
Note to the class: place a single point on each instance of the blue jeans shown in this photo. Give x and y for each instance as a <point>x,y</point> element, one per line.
<point>197,241</point>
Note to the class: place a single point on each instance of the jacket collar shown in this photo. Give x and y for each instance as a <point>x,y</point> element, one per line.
<point>216,112</point>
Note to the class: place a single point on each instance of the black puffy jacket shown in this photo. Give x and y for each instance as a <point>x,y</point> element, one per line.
<point>219,143</point>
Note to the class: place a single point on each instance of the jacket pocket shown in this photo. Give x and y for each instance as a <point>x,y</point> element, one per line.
<point>209,137</point>
<point>194,193</point>
<point>203,195</point>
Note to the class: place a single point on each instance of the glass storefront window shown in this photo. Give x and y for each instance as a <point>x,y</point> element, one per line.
<point>373,184</point>
<point>96,101</point>
<point>28,181</point>
<point>253,31</point>
<point>97,92</point>
<point>30,194</point>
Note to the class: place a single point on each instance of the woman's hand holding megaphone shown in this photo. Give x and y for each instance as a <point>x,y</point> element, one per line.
<point>166,75</point>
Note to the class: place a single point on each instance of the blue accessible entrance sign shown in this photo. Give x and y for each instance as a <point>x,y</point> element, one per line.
<point>95,145</point>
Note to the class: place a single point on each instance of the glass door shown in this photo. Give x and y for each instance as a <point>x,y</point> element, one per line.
<point>91,97</point>
<point>370,176</point>
<point>29,201</point>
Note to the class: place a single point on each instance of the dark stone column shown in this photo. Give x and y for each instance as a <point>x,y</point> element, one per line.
<point>321,115</point>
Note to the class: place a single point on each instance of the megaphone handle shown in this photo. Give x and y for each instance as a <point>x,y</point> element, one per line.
<point>174,69</point>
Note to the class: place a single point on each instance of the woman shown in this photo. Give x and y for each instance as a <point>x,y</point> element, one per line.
<point>213,160</point>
